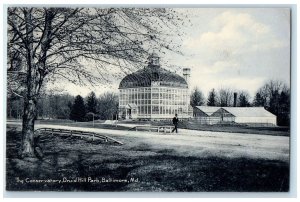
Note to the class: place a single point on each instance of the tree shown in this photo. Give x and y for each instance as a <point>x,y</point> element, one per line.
<point>91,105</point>
<point>212,98</point>
<point>55,43</point>
<point>64,109</point>
<point>78,110</point>
<point>54,105</point>
<point>108,106</point>
<point>265,93</point>
<point>258,100</point>
<point>274,96</point>
<point>14,107</point>
<point>243,99</point>
<point>225,97</point>
<point>274,104</point>
<point>197,98</point>
<point>284,110</point>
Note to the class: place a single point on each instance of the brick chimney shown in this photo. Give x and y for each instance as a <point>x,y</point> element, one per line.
<point>234,99</point>
<point>187,75</point>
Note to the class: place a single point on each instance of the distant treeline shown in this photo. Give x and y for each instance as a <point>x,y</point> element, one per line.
<point>66,106</point>
<point>274,96</point>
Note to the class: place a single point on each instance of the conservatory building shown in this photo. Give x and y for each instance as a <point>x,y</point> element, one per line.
<point>154,93</point>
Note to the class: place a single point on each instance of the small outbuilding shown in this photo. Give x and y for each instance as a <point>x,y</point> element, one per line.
<point>202,114</point>
<point>246,115</point>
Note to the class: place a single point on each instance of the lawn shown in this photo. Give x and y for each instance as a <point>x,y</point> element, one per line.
<point>237,128</point>
<point>135,166</point>
<point>231,128</point>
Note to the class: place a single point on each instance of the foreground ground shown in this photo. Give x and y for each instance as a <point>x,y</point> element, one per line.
<point>189,161</point>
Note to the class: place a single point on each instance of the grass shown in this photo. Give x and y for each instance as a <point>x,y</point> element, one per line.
<point>149,169</point>
<point>237,128</point>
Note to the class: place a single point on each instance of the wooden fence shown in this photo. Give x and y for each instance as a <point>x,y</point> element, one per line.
<point>81,134</point>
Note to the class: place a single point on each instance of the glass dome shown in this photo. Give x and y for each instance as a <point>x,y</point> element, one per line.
<point>153,73</point>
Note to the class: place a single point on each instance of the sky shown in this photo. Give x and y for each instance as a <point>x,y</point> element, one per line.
<point>239,48</point>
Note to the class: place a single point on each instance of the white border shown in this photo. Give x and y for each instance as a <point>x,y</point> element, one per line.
<point>180,3</point>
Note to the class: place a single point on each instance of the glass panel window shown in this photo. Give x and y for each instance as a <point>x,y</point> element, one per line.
<point>155,110</point>
<point>155,101</point>
<point>142,110</point>
<point>155,95</point>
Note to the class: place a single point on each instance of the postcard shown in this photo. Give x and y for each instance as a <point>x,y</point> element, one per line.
<point>140,99</point>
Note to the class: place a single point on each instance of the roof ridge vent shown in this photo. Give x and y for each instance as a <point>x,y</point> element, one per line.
<point>153,61</point>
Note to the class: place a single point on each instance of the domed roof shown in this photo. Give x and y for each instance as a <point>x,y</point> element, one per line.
<point>144,78</point>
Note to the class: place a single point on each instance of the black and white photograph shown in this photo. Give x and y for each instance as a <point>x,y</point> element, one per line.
<point>148,98</point>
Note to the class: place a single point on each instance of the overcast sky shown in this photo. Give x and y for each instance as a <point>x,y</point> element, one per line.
<point>236,48</point>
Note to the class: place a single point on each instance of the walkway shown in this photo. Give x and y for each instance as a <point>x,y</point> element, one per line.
<point>200,143</point>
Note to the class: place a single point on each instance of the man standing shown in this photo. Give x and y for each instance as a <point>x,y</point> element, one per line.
<point>175,122</point>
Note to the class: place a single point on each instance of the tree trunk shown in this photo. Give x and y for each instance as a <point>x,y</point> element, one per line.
<point>28,128</point>
<point>27,148</point>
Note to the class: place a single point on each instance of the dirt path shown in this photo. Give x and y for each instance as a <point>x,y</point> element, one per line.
<point>201,143</point>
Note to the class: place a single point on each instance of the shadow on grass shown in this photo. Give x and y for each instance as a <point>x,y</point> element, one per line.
<point>105,167</point>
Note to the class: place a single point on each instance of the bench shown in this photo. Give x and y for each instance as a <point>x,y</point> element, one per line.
<point>165,129</point>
